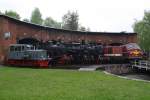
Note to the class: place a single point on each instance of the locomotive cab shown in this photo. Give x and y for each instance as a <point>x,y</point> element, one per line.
<point>17,51</point>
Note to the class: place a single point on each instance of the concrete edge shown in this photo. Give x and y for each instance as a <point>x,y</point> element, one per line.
<point>127,78</point>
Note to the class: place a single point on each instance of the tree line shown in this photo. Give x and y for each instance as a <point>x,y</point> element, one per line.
<point>70,20</point>
<point>142,27</point>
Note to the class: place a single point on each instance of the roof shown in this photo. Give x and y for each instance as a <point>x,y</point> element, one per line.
<point>64,30</point>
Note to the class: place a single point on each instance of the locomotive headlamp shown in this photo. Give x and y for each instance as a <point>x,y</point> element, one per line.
<point>135,52</point>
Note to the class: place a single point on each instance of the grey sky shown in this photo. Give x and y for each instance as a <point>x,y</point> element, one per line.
<point>99,15</point>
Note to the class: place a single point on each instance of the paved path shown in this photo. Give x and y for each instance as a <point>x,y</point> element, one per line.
<point>95,67</point>
<point>1,65</point>
<point>89,67</point>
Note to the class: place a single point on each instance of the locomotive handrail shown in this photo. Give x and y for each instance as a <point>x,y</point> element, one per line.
<point>142,64</point>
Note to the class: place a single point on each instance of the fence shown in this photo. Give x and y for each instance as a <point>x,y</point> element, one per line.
<point>145,64</point>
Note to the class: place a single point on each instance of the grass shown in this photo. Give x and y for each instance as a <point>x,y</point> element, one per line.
<point>55,84</point>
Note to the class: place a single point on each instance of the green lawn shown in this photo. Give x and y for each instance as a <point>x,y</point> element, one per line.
<point>54,84</point>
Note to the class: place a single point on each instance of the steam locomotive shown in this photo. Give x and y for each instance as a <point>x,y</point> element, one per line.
<point>52,54</point>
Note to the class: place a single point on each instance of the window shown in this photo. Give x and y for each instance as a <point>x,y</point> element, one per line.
<point>12,48</point>
<point>22,48</point>
<point>19,48</point>
<point>109,50</point>
<point>16,48</point>
<point>132,46</point>
<point>7,35</point>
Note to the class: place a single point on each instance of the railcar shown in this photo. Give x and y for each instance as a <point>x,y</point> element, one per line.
<point>122,53</point>
<point>27,56</point>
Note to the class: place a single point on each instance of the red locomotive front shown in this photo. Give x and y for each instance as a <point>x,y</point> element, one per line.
<point>132,51</point>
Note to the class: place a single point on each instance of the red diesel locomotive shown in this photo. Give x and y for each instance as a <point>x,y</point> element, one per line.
<point>127,52</point>
<point>132,51</point>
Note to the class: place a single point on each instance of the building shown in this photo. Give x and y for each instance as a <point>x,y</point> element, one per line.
<point>13,31</point>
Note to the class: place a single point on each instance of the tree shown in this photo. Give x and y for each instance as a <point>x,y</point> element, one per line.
<point>88,29</point>
<point>142,27</point>
<point>70,21</point>
<point>12,14</point>
<point>82,28</point>
<point>36,17</point>
<point>51,23</point>
<point>26,20</point>
<point>1,13</point>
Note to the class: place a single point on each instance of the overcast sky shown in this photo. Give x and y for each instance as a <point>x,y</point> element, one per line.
<point>98,15</point>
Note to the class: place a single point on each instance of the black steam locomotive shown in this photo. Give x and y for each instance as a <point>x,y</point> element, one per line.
<point>74,53</point>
